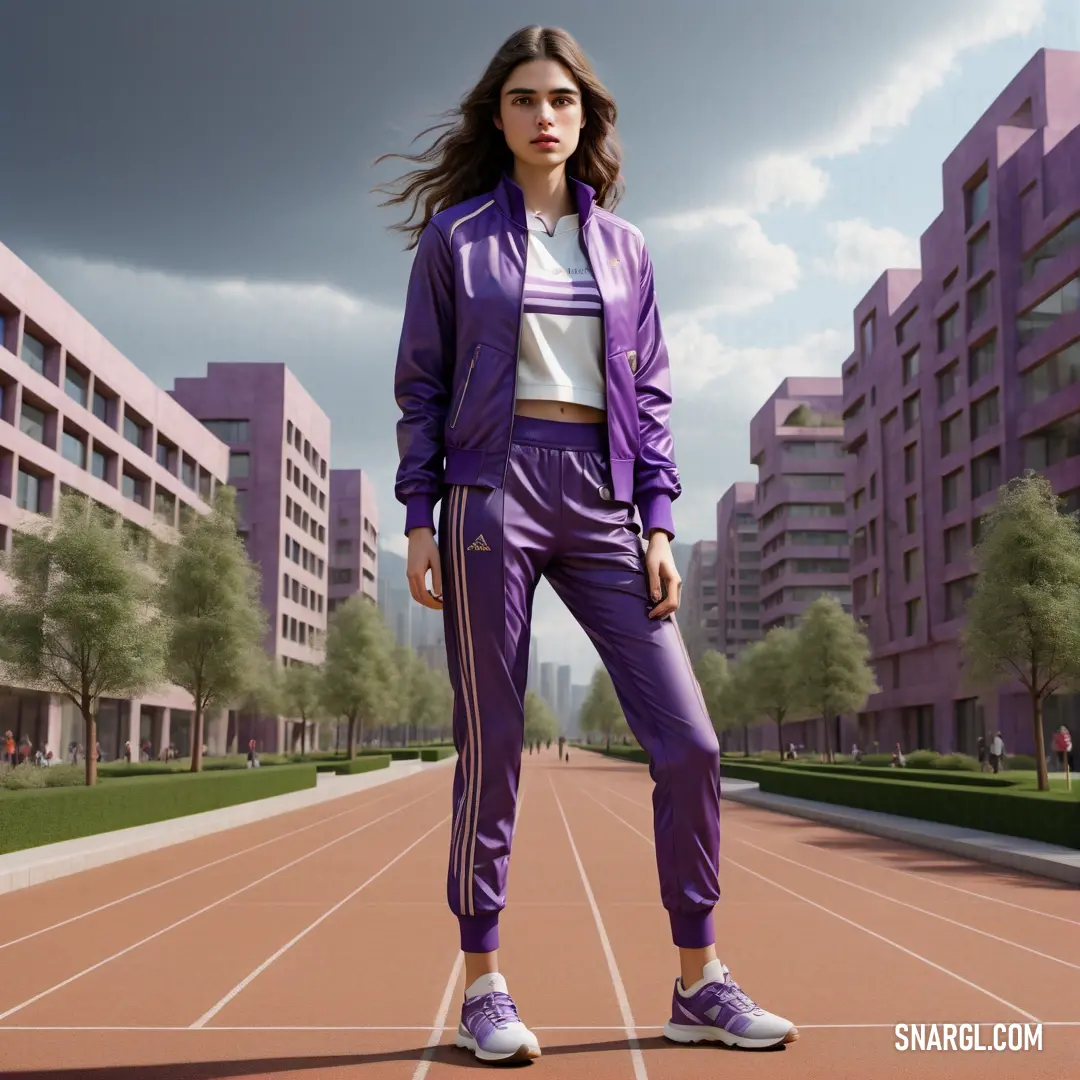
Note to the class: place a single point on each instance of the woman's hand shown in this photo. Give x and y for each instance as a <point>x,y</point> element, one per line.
<point>663,577</point>
<point>424,556</point>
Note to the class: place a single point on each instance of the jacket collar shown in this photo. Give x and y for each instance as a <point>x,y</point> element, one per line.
<point>511,199</point>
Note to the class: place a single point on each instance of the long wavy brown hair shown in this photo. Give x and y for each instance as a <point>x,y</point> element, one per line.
<point>471,154</point>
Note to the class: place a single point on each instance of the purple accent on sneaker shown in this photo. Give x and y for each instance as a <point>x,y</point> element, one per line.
<point>482,1016</point>
<point>718,1005</point>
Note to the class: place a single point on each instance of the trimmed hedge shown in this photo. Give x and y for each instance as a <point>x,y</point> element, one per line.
<point>395,753</point>
<point>1053,818</point>
<point>36,817</point>
<point>437,753</point>
<point>366,763</point>
<point>929,776</point>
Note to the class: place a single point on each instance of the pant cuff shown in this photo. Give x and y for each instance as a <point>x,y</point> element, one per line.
<point>479,933</point>
<point>692,930</point>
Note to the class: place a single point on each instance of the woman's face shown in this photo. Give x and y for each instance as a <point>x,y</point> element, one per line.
<point>541,113</point>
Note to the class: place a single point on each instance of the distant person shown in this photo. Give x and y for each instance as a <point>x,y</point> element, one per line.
<point>562,745</point>
<point>1063,747</point>
<point>980,750</point>
<point>997,751</point>
<point>534,384</point>
<point>252,755</point>
<point>9,748</point>
<point>898,759</point>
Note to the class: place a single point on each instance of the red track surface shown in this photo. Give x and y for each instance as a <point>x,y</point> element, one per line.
<point>319,945</point>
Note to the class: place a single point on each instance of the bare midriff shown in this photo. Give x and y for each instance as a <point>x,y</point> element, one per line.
<point>568,411</point>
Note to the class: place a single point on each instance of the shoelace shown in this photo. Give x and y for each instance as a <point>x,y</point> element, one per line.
<point>732,995</point>
<point>499,1008</point>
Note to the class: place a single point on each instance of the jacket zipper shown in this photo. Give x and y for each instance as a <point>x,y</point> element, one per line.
<point>521,320</point>
<point>465,388</point>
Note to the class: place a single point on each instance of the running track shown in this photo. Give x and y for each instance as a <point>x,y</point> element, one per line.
<point>318,944</point>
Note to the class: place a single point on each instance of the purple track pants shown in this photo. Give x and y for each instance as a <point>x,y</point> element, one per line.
<point>554,517</point>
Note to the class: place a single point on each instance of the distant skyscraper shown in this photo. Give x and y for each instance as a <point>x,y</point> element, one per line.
<point>699,600</point>
<point>562,692</point>
<point>549,685</point>
<point>354,536</point>
<point>738,570</point>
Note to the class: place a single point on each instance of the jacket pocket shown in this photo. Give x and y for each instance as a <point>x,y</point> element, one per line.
<point>456,414</point>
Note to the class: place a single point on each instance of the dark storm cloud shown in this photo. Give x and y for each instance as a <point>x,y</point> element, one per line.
<point>211,138</point>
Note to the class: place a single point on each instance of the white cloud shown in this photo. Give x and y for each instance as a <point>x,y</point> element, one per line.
<point>891,103</point>
<point>861,252</point>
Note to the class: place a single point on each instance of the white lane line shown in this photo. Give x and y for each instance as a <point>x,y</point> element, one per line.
<point>915,877</point>
<point>271,1029</point>
<point>187,918</point>
<point>922,879</point>
<point>912,907</point>
<point>249,979</point>
<point>616,979</point>
<point>842,918</point>
<point>439,1028</point>
<point>188,873</point>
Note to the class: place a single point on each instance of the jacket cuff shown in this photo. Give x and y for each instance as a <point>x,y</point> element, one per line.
<point>420,512</point>
<point>655,510</point>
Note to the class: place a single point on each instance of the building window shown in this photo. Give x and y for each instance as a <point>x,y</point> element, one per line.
<point>981,359</point>
<point>947,383</point>
<point>74,449</point>
<point>911,366</point>
<point>1053,246</point>
<point>985,473</point>
<point>976,201</point>
<point>133,488</point>
<point>99,465</point>
<point>978,252</point>
<point>911,412</point>
<point>1053,444</point>
<point>1055,373</point>
<point>950,491</point>
<point>910,463</point>
<point>239,466</point>
<point>101,407</point>
<point>984,415</point>
<point>28,496</point>
<point>911,613</point>
<point>957,593</point>
<point>868,335</point>
<point>229,431</point>
<point>955,543</point>
<point>133,431</point>
<point>911,513</point>
<point>903,325</point>
<point>1044,314</point>
<point>912,564</point>
<point>187,472</point>
<point>75,384</point>
<point>979,301</point>
<point>33,352</point>
<point>948,329</point>
<point>32,422</point>
<point>952,433</point>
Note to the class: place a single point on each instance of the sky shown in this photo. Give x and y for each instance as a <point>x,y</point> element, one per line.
<point>196,179</point>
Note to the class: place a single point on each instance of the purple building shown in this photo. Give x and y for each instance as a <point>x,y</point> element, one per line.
<point>699,620</point>
<point>76,414</point>
<point>354,537</point>
<point>964,375</point>
<point>279,448</point>
<point>738,570</point>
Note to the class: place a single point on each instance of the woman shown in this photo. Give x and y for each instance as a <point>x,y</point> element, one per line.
<point>533,382</point>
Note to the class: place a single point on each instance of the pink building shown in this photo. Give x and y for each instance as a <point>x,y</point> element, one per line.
<point>738,570</point>
<point>279,451</point>
<point>77,414</point>
<point>354,536</point>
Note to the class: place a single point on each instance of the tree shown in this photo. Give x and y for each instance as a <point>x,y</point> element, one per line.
<point>736,701</point>
<point>302,696</point>
<point>1023,617</point>
<point>211,597</point>
<point>81,620</point>
<point>772,679</point>
<point>359,671</point>
<point>832,663</point>
<point>541,724</point>
<point>602,713</point>
<point>711,672</point>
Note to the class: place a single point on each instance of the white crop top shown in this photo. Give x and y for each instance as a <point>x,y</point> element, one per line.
<point>560,356</point>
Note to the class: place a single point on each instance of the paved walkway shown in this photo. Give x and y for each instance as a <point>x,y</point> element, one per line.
<point>21,869</point>
<point>1015,852</point>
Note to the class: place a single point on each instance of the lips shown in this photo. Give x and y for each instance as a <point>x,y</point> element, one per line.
<point>545,140</point>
